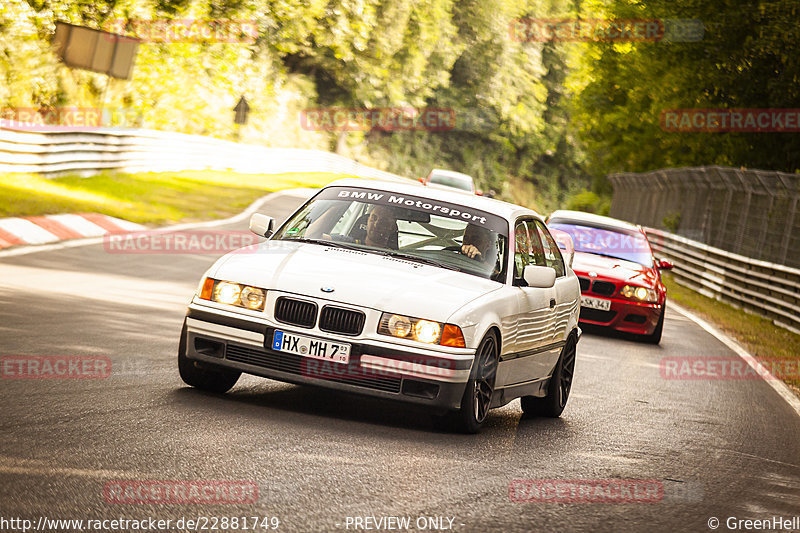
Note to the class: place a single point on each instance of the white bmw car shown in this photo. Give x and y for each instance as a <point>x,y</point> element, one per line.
<point>397,291</point>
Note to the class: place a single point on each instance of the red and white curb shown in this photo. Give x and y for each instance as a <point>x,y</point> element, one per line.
<point>54,228</point>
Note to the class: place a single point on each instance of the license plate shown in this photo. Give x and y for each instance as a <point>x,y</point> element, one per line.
<point>310,347</point>
<point>595,303</point>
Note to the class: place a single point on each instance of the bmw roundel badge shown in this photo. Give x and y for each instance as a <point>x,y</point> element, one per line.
<point>326,289</point>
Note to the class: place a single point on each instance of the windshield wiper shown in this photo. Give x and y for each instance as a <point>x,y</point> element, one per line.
<point>397,255</point>
<point>324,242</point>
<point>611,256</point>
<point>425,260</point>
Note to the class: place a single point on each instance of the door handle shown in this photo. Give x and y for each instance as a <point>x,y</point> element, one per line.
<point>552,303</point>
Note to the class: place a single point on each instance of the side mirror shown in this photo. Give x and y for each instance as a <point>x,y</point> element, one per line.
<point>261,225</point>
<point>664,264</point>
<point>539,276</point>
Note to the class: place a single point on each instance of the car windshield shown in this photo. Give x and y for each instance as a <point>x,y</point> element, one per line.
<point>628,245</point>
<point>409,227</point>
<point>452,181</point>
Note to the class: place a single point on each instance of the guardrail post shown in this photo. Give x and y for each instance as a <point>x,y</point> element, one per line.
<point>764,227</point>
<point>788,233</point>
<point>720,240</point>
<point>737,246</point>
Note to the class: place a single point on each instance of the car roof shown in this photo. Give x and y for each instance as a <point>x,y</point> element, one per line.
<point>504,209</point>
<point>450,173</point>
<point>565,215</point>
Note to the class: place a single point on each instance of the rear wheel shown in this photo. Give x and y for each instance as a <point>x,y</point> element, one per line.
<point>478,393</point>
<point>202,376</point>
<point>558,389</point>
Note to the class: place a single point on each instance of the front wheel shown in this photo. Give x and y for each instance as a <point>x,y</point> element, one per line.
<point>204,377</point>
<point>477,398</point>
<point>553,404</point>
<point>655,337</point>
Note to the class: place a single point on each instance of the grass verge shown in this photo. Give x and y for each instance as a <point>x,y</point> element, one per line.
<point>153,198</point>
<point>757,335</point>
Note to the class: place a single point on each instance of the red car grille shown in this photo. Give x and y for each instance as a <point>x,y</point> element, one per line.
<point>603,288</point>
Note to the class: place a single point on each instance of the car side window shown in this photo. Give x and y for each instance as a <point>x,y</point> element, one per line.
<point>552,254</point>
<point>528,249</point>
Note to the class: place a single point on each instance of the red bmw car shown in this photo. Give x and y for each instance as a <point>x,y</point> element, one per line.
<point>620,281</point>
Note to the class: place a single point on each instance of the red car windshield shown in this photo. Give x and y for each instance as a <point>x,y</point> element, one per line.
<point>622,244</point>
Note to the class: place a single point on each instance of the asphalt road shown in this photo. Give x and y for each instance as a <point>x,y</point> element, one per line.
<point>718,448</point>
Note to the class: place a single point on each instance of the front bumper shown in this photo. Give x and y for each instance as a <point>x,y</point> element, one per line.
<point>382,370</point>
<point>624,315</point>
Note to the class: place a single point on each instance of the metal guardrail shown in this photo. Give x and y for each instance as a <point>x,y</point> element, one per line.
<point>744,211</point>
<point>57,151</point>
<point>766,289</point>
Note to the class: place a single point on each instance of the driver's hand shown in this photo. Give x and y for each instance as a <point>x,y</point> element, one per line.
<point>471,251</point>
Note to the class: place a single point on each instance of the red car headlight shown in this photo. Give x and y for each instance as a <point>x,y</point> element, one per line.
<point>641,294</point>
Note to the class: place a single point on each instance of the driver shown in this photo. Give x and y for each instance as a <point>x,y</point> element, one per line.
<point>382,227</point>
<point>476,243</point>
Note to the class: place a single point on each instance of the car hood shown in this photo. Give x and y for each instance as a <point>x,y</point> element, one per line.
<point>357,278</point>
<point>616,269</point>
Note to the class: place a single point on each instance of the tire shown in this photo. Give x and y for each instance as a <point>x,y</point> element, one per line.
<point>477,398</point>
<point>559,387</point>
<point>655,337</point>
<point>201,376</point>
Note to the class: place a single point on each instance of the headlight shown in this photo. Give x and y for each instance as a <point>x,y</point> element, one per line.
<point>226,292</point>
<point>418,329</point>
<point>399,326</point>
<point>427,331</point>
<point>229,293</point>
<point>639,293</point>
<point>252,298</point>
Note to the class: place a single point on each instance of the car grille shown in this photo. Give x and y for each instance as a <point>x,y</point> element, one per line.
<point>606,288</point>
<point>296,312</point>
<point>344,321</point>
<point>304,366</point>
<point>596,315</point>
<point>584,283</point>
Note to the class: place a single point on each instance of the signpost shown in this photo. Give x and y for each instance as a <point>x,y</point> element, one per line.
<point>95,50</point>
<point>241,110</point>
<point>99,51</point>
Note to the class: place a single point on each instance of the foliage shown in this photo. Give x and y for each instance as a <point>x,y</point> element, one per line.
<point>745,59</point>
<point>590,202</point>
<point>556,115</point>
<point>507,96</point>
